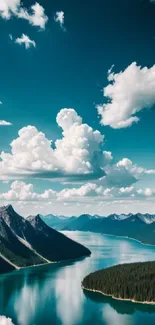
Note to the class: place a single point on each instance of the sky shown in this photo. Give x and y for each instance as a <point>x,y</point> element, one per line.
<point>77,106</point>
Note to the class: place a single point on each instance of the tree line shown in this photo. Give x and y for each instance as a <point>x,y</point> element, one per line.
<point>127,281</point>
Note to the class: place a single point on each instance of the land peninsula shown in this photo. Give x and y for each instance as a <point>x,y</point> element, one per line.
<point>134,282</point>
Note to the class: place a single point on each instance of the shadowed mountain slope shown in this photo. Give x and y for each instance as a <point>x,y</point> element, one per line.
<point>29,242</point>
<point>138,226</point>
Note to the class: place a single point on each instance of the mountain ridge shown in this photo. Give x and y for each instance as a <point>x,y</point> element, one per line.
<point>28,242</point>
<point>137,226</point>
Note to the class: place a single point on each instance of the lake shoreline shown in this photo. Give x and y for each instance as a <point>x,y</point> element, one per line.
<point>131,238</point>
<point>21,268</point>
<point>121,299</point>
<point>111,235</point>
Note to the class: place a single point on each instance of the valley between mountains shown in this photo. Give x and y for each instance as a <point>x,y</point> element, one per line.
<point>137,226</point>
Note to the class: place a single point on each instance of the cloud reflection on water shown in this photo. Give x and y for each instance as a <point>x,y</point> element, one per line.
<point>52,294</point>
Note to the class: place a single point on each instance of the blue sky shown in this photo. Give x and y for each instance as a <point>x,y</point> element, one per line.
<point>67,66</point>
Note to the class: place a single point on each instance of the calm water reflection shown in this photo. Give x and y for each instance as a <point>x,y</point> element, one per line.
<point>52,294</point>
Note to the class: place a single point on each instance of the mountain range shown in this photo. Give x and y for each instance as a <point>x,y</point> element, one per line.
<point>28,242</point>
<point>138,226</point>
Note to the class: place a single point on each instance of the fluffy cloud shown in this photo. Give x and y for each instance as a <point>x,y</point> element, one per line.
<point>133,169</point>
<point>59,18</point>
<point>77,156</point>
<point>117,176</point>
<point>9,7</point>
<point>147,192</point>
<point>102,193</point>
<point>89,189</point>
<point>20,191</point>
<point>78,153</point>
<point>5,123</point>
<point>35,16</point>
<point>129,92</point>
<point>24,39</point>
<point>5,321</point>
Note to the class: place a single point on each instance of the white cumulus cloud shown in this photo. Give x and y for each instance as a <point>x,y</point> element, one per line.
<point>35,14</point>
<point>129,92</point>
<point>36,18</point>
<point>133,169</point>
<point>20,191</point>
<point>78,156</point>
<point>9,7</point>
<point>5,321</point>
<point>24,39</point>
<point>78,152</point>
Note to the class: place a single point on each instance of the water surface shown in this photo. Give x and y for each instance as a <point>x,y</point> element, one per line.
<point>52,294</point>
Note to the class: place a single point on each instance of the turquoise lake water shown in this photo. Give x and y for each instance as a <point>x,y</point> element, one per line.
<point>52,294</point>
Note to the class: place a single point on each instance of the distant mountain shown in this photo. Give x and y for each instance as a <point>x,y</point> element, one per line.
<point>68,223</point>
<point>54,221</point>
<point>28,242</point>
<point>138,226</point>
<point>147,218</point>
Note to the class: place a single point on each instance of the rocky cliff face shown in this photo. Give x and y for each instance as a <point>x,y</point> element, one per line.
<point>27,242</point>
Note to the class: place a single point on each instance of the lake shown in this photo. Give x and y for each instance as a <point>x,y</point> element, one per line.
<point>52,294</point>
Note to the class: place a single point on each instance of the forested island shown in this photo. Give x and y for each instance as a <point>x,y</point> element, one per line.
<point>135,282</point>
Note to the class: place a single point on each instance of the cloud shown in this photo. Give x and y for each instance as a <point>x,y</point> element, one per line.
<point>77,154</point>
<point>37,17</point>
<point>5,123</point>
<point>59,18</point>
<point>89,189</point>
<point>123,174</point>
<point>117,176</point>
<point>108,156</point>
<point>133,169</point>
<point>9,7</point>
<point>150,171</point>
<point>104,194</point>
<point>5,321</point>
<point>129,92</point>
<point>24,39</point>
<point>20,191</point>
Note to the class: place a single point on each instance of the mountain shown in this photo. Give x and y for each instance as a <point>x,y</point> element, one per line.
<point>5,266</point>
<point>28,242</point>
<point>52,244</point>
<point>68,223</point>
<point>55,221</point>
<point>138,226</point>
<point>147,218</point>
